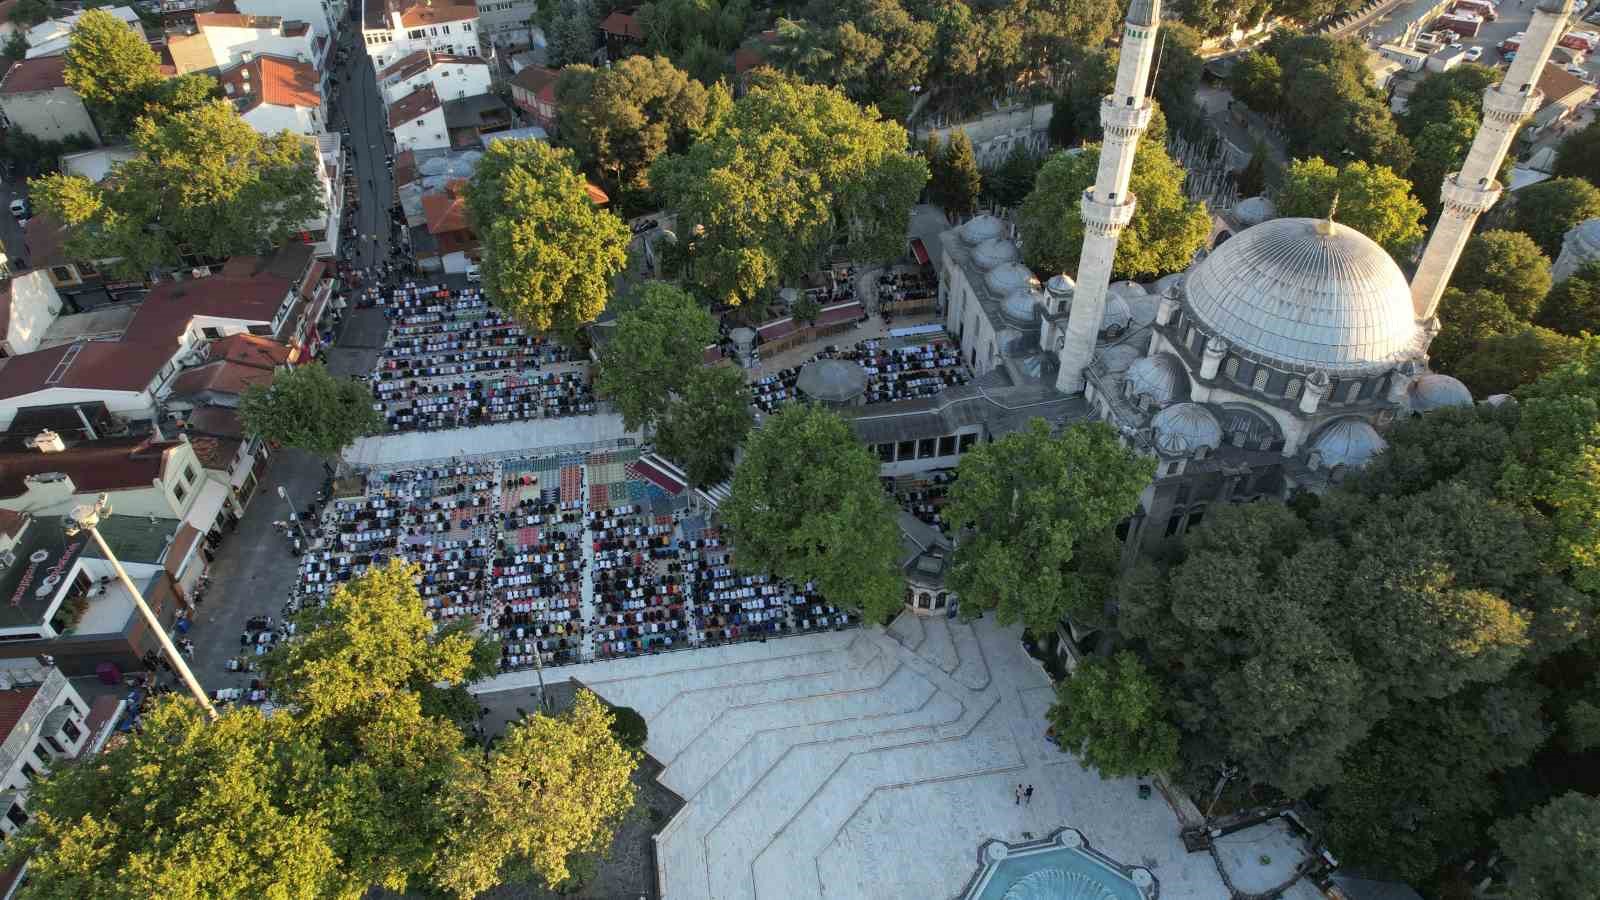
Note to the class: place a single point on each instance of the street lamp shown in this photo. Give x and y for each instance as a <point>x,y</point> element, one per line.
<point>86,518</point>
<point>294,517</point>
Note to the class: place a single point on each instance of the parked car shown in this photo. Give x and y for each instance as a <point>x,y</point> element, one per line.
<point>1474,54</point>
<point>474,273</point>
<point>19,209</point>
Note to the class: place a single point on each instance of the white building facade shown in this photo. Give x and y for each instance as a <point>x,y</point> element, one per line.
<point>392,29</point>
<point>49,727</point>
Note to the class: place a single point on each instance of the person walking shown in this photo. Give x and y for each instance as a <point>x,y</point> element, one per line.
<point>1019,795</point>
<point>1028,795</point>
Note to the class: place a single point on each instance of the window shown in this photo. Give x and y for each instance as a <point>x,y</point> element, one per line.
<point>433,31</point>
<point>211,334</point>
<point>947,445</point>
<point>29,771</point>
<point>1259,382</point>
<point>62,273</point>
<point>447,29</point>
<point>886,453</point>
<point>908,450</point>
<point>415,33</point>
<point>17,816</point>
<point>261,330</point>
<point>467,26</point>
<point>927,447</point>
<point>1196,515</point>
<point>1172,468</point>
<point>1174,523</point>
<point>965,442</point>
<point>55,745</point>
<point>188,474</point>
<point>1352,391</point>
<point>70,729</point>
<point>39,756</point>
<point>1293,390</point>
<point>1232,369</point>
<point>179,492</point>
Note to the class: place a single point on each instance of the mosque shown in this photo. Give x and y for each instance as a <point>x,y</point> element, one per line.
<point>1273,365</point>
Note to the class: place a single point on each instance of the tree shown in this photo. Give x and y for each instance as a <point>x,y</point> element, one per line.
<point>652,351</point>
<point>707,422</point>
<point>202,182</point>
<point>621,119</point>
<point>699,34</point>
<point>553,787</point>
<point>16,48</point>
<point>309,408</point>
<point>1009,183</point>
<point>1500,363</point>
<point>962,181</point>
<point>181,94</point>
<point>1372,199</point>
<point>1579,155</point>
<point>548,252</point>
<point>28,13</point>
<point>1030,500</point>
<point>1441,119</point>
<point>1166,230</point>
<point>1252,179</point>
<point>1466,319</point>
<point>1509,264</point>
<point>630,728</point>
<point>1075,117</point>
<point>1112,715</point>
<point>771,186</point>
<point>1179,79</point>
<point>573,28</point>
<point>112,68</point>
<point>1554,851</point>
<point>1548,210</point>
<point>806,506</point>
<point>1573,306</point>
<point>1256,80</point>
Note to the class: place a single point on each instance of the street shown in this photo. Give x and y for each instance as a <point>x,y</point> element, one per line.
<point>1514,16</point>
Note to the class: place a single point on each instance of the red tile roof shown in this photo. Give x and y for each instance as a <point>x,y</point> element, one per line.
<point>446,210</point>
<point>274,81</point>
<point>96,366</point>
<point>219,421</point>
<point>219,377</point>
<point>5,309</point>
<point>44,238</point>
<point>5,9</point>
<point>216,452</point>
<point>406,62</point>
<point>250,350</point>
<point>746,58</point>
<point>538,81</point>
<point>12,522</point>
<point>106,465</point>
<point>168,309</point>
<point>624,25</point>
<point>101,709</point>
<point>419,102</point>
<point>596,196</point>
<point>428,14</point>
<point>13,704</point>
<point>41,74</point>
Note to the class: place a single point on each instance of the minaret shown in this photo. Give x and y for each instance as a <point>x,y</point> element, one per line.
<point>1469,193</point>
<point>1108,206</point>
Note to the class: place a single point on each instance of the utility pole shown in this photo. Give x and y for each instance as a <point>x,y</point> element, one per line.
<point>294,516</point>
<point>87,518</point>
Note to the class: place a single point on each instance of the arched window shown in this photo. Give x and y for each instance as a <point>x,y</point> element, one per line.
<point>1232,368</point>
<point>1352,391</point>
<point>939,600</point>
<point>1259,381</point>
<point>1292,390</point>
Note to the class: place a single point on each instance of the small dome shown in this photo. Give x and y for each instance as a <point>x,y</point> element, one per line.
<point>1021,308</point>
<point>1037,365</point>
<point>1007,278</point>
<point>1119,357</point>
<point>1185,428</point>
<point>1160,377</point>
<point>1498,400</point>
<point>1434,391</point>
<point>832,380</point>
<point>1348,442</point>
<point>1117,316</point>
<point>1128,290</point>
<point>993,252</point>
<point>1254,211</point>
<point>1061,285</point>
<point>980,229</point>
<point>1166,283</point>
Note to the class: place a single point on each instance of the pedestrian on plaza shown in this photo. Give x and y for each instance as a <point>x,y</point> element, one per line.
<point>1028,795</point>
<point>1019,795</point>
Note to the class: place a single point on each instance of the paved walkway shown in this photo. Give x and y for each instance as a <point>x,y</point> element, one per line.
<point>527,438</point>
<point>867,763</point>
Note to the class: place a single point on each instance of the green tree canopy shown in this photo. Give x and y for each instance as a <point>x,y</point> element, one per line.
<point>1508,263</point>
<point>1372,199</point>
<point>770,187</point>
<point>806,505</point>
<point>1554,851</point>
<point>572,27</point>
<point>548,252</point>
<point>112,68</point>
<point>1009,183</point>
<point>28,13</point>
<point>960,180</point>
<point>1256,80</point>
<point>1111,714</point>
<point>621,119</point>
<point>1024,505</point>
<point>311,409</point>
<point>1573,306</point>
<point>1466,318</point>
<point>707,422</point>
<point>202,181</point>
<point>1501,363</point>
<point>700,34</point>
<point>1166,230</point>
<point>1548,210</point>
<point>1579,155</point>
<point>651,352</point>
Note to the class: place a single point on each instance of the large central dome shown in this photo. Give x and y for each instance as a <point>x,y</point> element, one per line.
<point>1301,294</point>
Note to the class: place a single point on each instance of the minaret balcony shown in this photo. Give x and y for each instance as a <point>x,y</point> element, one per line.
<point>1107,217</point>
<point>1122,121</point>
<point>1505,107</point>
<point>1468,199</point>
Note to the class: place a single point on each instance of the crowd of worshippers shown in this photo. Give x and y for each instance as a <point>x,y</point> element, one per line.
<point>639,589</point>
<point>898,287</point>
<point>450,360</point>
<point>924,495</point>
<point>730,606</point>
<point>538,576</point>
<point>893,373</point>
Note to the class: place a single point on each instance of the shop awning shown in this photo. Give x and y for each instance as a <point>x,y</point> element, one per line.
<point>203,514</point>
<point>920,251</point>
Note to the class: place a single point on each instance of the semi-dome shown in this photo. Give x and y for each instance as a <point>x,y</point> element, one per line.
<point>1021,308</point>
<point>1007,278</point>
<point>980,229</point>
<point>1348,442</point>
<point>1254,211</point>
<point>1305,295</point>
<point>1166,283</point>
<point>832,380</point>
<point>1436,391</point>
<point>1160,377</point>
<point>993,252</point>
<point>1117,316</point>
<point>1498,400</point>
<point>1118,357</point>
<point>1184,428</point>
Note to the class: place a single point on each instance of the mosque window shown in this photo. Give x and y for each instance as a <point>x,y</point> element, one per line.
<point>1259,382</point>
<point>1188,337</point>
<point>1352,391</point>
<point>1293,390</point>
<point>1232,368</point>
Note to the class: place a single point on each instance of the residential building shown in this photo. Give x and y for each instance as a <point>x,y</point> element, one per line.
<point>50,37</point>
<point>275,94</point>
<point>471,121</point>
<point>43,719</point>
<point>621,33</point>
<point>145,475</point>
<point>508,24</point>
<point>323,234</point>
<point>96,164</point>
<point>28,304</point>
<point>452,77</point>
<point>451,243</point>
<point>1564,95</point>
<point>417,121</point>
<point>204,401</point>
<point>35,100</point>
<point>233,37</point>
<point>65,598</point>
<point>395,28</point>
<point>533,90</point>
<point>322,15</point>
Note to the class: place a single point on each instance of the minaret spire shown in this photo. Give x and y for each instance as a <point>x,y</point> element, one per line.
<point>1469,193</point>
<point>1108,206</point>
